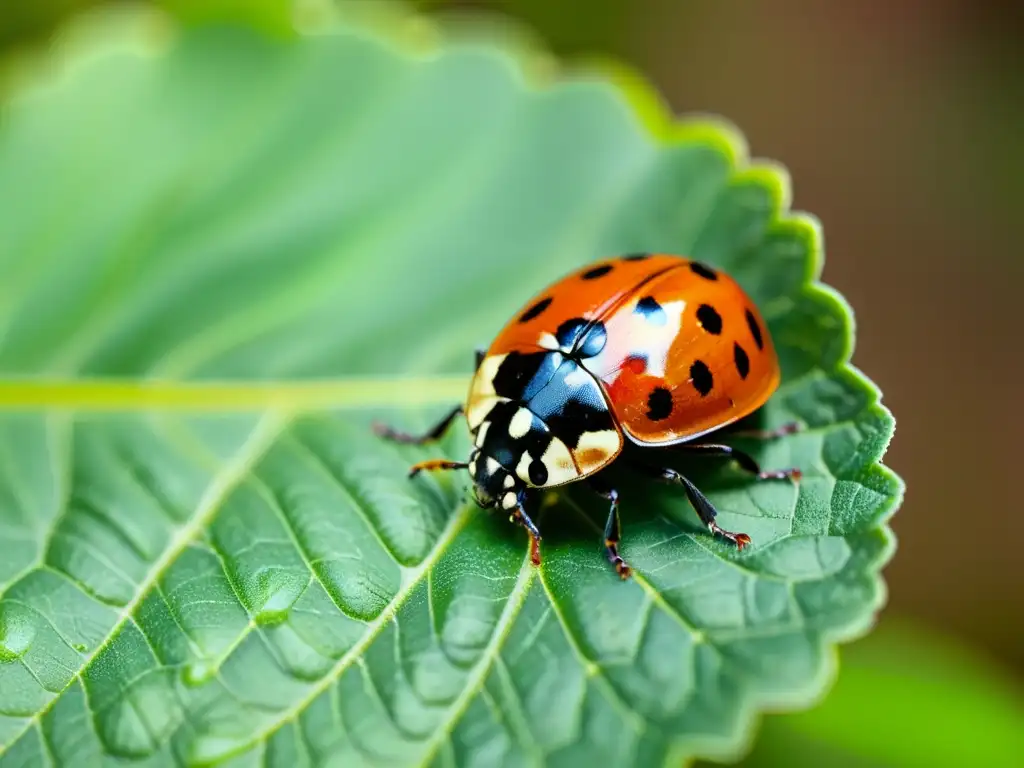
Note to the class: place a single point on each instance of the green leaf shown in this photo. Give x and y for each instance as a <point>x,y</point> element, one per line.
<point>224,254</point>
<point>907,697</point>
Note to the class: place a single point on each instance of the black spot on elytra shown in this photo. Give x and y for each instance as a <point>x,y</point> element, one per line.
<point>699,268</point>
<point>739,355</point>
<point>535,310</point>
<point>700,376</point>
<point>636,257</point>
<point>755,329</point>
<point>709,319</point>
<point>538,472</point>
<point>659,404</point>
<point>596,272</point>
<point>651,310</point>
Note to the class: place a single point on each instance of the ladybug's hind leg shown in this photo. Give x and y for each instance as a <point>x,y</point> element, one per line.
<point>702,505</point>
<point>434,433</point>
<point>789,428</point>
<point>612,528</point>
<point>745,460</point>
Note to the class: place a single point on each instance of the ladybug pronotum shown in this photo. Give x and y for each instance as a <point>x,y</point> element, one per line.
<point>653,349</point>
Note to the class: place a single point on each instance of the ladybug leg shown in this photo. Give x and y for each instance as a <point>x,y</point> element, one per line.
<point>612,528</point>
<point>745,460</point>
<point>520,517</point>
<point>434,433</point>
<point>702,505</point>
<point>767,434</point>
<point>435,464</point>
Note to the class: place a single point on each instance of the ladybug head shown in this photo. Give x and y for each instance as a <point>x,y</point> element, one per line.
<point>493,485</point>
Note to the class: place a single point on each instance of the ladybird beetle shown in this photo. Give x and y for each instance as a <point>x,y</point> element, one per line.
<point>653,349</point>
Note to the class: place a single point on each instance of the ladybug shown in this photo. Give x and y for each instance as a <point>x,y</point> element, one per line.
<point>648,351</point>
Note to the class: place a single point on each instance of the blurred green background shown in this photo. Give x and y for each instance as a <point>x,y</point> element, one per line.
<point>900,122</point>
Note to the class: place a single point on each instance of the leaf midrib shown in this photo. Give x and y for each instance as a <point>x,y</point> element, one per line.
<point>351,392</point>
<point>122,395</point>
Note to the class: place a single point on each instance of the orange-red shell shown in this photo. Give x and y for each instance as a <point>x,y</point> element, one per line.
<point>702,316</point>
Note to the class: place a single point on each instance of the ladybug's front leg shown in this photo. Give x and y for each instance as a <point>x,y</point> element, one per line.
<point>431,465</point>
<point>520,517</point>
<point>745,460</point>
<point>434,433</point>
<point>612,528</point>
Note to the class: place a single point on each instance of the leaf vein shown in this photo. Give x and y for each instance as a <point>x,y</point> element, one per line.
<point>172,611</point>
<point>455,524</point>
<point>274,502</point>
<point>592,669</point>
<point>314,460</point>
<point>373,693</point>
<point>478,675</point>
<point>217,491</point>
<point>519,723</point>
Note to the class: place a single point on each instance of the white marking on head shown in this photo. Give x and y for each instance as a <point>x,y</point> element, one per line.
<point>509,481</point>
<point>472,467</point>
<point>492,466</point>
<point>483,381</point>
<point>520,423</point>
<point>479,408</point>
<point>482,397</point>
<point>509,500</point>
